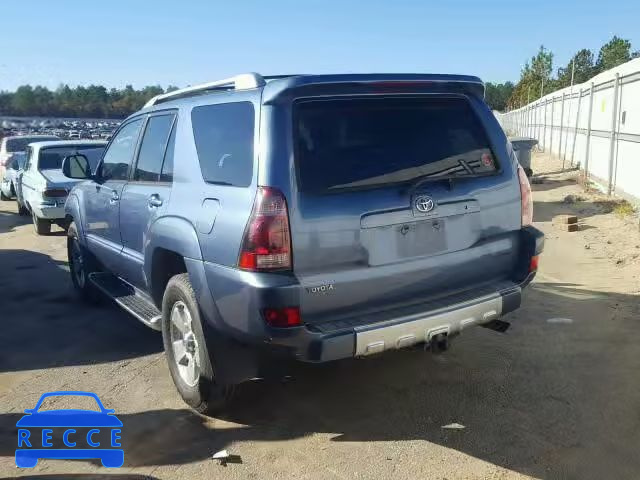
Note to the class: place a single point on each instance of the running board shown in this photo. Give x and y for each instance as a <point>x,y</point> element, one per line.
<point>128,297</point>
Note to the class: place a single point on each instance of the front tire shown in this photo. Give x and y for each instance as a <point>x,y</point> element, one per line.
<point>81,265</point>
<point>41,225</point>
<point>191,365</point>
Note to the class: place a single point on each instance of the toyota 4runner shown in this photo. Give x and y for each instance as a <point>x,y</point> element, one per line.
<point>308,217</point>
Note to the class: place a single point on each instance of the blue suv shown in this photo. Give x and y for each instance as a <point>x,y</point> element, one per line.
<point>307,217</point>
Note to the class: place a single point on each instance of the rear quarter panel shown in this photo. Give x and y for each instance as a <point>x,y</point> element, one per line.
<point>217,213</point>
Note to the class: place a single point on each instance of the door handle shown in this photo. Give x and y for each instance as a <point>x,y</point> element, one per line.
<point>114,198</point>
<point>155,201</point>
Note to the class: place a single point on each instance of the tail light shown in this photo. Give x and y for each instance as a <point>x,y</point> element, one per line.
<point>525,198</point>
<point>282,317</point>
<point>54,192</point>
<point>266,245</point>
<point>533,264</point>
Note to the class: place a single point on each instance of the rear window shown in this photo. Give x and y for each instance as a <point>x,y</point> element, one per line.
<point>51,158</point>
<point>360,143</point>
<point>224,140</point>
<point>20,144</point>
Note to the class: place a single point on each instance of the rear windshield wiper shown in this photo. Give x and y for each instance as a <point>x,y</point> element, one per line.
<point>439,176</point>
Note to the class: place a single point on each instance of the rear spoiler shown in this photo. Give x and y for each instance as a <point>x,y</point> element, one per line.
<point>316,85</point>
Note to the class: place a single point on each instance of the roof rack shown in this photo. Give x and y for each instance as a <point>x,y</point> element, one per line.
<point>244,81</point>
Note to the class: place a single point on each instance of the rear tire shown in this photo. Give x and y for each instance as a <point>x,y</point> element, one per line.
<point>191,364</point>
<point>40,225</point>
<point>22,210</point>
<point>81,264</point>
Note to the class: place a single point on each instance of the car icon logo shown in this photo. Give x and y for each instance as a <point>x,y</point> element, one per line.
<point>69,433</point>
<point>424,203</point>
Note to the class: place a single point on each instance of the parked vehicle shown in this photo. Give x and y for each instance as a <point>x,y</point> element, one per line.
<point>43,187</point>
<point>8,183</point>
<point>14,144</point>
<point>310,217</point>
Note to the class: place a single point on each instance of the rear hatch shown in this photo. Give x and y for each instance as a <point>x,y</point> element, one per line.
<point>398,200</point>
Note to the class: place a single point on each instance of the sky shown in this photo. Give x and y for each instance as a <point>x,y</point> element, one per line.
<point>158,42</point>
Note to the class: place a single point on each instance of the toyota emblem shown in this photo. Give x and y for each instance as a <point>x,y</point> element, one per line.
<point>424,204</point>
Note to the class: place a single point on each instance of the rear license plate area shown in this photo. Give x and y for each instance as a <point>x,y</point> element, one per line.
<point>391,243</point>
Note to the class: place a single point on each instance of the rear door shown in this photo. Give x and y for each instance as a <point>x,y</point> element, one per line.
<point>399,201</point>
<point>102,209</point>
<point>146,195</point>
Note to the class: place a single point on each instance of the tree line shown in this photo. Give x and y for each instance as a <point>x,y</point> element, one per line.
<point>537,79</point>
<point>94,101</point>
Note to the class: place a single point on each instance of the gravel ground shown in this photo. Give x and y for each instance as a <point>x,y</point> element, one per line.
<point>557,396</point>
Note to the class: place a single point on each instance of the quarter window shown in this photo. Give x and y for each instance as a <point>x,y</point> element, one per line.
<point>152,149</point>
<point>118,157</point>
<point>224,141</point>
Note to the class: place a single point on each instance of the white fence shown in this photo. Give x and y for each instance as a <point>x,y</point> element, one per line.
<point>595,125</point>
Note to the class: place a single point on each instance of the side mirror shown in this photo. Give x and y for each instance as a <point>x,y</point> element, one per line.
<point>76,166</point>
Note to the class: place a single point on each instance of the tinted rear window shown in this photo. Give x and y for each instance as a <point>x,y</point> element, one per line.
<point>51,158</point>
<point>223,135</point>
<point>20,144</point>
<point>356,143</point>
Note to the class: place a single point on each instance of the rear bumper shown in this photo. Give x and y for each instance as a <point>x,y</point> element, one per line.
<point>405,331</point>
<point>50,212</point>
<point>239,297</point>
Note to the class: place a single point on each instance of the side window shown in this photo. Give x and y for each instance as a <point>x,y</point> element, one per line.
<point>118,157</point>
<point>224,140</point>
<point>152,148</point>
<point>167,167</point>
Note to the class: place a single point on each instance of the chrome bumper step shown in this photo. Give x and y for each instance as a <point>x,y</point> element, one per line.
<point>406,331</point>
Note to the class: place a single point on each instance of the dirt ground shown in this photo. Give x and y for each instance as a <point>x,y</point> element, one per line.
<point>557,396</point>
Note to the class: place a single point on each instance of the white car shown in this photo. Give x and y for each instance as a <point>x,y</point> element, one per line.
<point>18,143</point>
<point>43,187</point>
<point>8,183</point>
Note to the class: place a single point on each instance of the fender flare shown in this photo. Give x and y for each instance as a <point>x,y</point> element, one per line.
<point>174,234</point>
<point>72,208</point>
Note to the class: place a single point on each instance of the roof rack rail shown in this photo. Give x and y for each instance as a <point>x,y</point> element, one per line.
<point>244,81</point>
